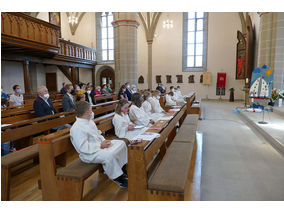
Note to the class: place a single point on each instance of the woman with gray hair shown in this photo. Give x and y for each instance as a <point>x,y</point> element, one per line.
<point>98,90</point>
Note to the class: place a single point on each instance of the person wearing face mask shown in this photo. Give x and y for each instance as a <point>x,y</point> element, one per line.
<point>89,95</point>
<point>170,100</point>
<point>133,88</point>
<point>98,90</point>
<point>160,88</point>
<point>93,148</point>
<point>128,91</point>
<point>155,102</point>
<point>136,113</point>
<point>68,100</point>
<point>42,104</point>
<point>121,93</point>
<point>104,90</point>
<point>148,107</point>
<point>123,127</point>
<point>178,96</point>
<point>17,98</point>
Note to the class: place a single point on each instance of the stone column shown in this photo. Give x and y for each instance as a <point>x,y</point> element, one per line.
<point>271,45</point>
<point>125,43</point>
<point>27,77</point>
<point>150,73</point>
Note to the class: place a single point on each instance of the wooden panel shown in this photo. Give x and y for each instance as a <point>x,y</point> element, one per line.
<point>51,82</point>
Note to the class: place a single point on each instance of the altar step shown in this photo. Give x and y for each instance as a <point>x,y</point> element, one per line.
<point>279,110</point>
<point>273,131</point>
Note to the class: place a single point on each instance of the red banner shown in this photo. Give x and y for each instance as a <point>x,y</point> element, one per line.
<point>221,80</point>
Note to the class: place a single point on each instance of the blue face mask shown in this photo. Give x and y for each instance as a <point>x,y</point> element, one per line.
<point>18,90</point>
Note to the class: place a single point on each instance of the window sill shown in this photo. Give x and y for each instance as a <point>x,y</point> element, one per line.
<point>201,69</point>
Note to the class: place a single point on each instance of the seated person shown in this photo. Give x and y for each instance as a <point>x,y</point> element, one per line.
<point>68,100</point>
<point>128,91</point>
<point>136,113</point>
<point>133,88</point>
<point>43,106</point>
<point>93,148</point>
<point>170,100</point>
<point>109,88</point>
<point>121,93</point>
<point>104,90</point>
<point>160,88</point>
<point>81,97</point>
<point>81,90</point>
<point>63,90</point>
<point>123,127</point>
<point>3,94</point>
<point>90,95</point>
<point>97,90</point>
<point>4,102</point>
<point>17,98</point>
<point>148,107</point>
<point>155,102</point>
<point>178,96</point>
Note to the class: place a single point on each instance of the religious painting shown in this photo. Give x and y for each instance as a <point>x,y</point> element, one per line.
<point>207,78</point>
<point>261,82</point>
<point>241,56</point>
<point>169,79</point>
<point>158,79</point>
<point>191,79</point>
<point>54,18</point>
<point>179,78</point>
<point>201,79</point>
<point>141,80</point>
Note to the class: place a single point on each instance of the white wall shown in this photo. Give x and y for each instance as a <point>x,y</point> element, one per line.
<point>85,75</point>
<point>43,16</point>
<point>167,54</point>
<point>11,74</point>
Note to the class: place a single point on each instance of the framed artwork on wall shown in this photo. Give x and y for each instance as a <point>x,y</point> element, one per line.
<point>54,18</point>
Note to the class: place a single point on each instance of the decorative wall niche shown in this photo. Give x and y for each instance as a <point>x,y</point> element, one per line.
<point>191,79</point>
<point>158,79</point>
<point>201,79</point>
<point>141,80</point>
<point>169,79</point>
<point>179,78</point>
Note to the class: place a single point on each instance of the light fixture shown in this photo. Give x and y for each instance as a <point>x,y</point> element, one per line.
<point>168,24</point>
<point>72,19</point>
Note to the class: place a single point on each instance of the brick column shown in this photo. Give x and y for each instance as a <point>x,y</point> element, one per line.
<point>125,41</point>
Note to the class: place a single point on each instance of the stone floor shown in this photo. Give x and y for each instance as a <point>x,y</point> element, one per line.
<point>238,164</point>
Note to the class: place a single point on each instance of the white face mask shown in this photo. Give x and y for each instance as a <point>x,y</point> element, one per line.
<point>46,96</point>
<point>149,99</point>
<point>158,97</point>
<point>92,116</point>
<point>89,92</point>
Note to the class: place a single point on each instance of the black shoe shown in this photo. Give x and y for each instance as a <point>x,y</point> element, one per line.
<point>125,176</point>
<point>124,169</point>
<point>121,181</point>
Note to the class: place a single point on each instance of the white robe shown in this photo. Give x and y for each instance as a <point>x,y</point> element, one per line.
<point>156,105</point>
<point>120,123</point>
<point>147,107</point>
<point>138,116</point>
<point>170,100</point>
<point>178,96</point>
<point>86,138</point>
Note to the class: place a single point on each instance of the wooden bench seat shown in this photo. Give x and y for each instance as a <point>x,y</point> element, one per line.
<point>196,109</point>
<point>191,119</point>
<point>186,133</point>
<point>172,174</point>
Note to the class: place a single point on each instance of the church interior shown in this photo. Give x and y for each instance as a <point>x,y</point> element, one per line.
<point>217,133</point>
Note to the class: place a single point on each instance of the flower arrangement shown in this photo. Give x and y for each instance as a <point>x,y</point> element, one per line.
<point>276,94</point>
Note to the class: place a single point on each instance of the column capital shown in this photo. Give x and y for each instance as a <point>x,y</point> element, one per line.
<point>125,22</point>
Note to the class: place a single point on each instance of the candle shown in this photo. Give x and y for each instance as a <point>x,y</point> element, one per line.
<point>247,80</point>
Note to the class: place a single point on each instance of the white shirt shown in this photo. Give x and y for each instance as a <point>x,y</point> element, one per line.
<point>178,96</point>
<point>138,116</point>
<point>18,100</point>
<point>156,105</point>
<point>170,101</point>
<point>147,107</point>
<point>120,123</point>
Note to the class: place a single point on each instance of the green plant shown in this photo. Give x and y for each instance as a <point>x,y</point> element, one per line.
<point>232,89</point>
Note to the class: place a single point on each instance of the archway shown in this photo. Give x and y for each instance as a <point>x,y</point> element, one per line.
<point>106,75</point>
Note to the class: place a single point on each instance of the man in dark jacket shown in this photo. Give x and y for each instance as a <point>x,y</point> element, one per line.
<point>128,92</point>
<point>68,100</point>
<point>43,106</point>
<point>160,88</point>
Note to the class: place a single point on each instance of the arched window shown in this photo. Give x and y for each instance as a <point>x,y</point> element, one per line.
<point>105,37</point>
<point>195,41</point>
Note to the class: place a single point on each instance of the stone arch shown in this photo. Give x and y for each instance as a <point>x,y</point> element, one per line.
<point>107,71</point>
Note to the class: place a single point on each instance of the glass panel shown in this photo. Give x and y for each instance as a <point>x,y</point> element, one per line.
<point>190,49</point>
<point>104,80</point>
<point>104,44</point>
<point>199,24</point>
<point>104,55</point>
<point>191,15</point>
<point>110,32</point>
<point>110,44</point>
<point>104,32</point>
<point>103,21</point>
<point>191,25</point>
<point>199,49</point>
<point>110,19</point>
<point>200,15</point>
<point>198,62</point>
<point>190,61</point>
<point>190,37</point>
<point>199,37</point>
<point>110,55</point>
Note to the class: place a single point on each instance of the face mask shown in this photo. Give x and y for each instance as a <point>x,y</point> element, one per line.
<point>92,116</point>
<point>123,90</point>
<point>89,92</point>
<point>99,89</point>
<point>46,96</point>
<point>124,110</point>
<point>158,97</point>
<point>134,89</point>
<point>149,99</point>
<point>128,86</point>
<point>18,90</point>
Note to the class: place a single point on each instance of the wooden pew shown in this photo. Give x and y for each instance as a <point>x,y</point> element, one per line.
<point>33,127</point>
<point>145,159</point>
<point>65,183</point>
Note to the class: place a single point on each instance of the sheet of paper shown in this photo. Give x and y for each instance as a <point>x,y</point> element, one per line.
<point>3,125</point>
<point>138,127</point>
<point>174,110</point>
<point>147,136</point>
<point>166,118</point>
<point>176,106</point>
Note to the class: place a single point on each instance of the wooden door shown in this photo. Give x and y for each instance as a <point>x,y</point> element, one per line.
<point>107,77</point>
<point>51,82</point>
